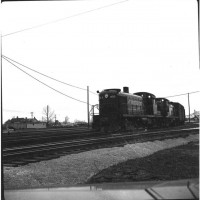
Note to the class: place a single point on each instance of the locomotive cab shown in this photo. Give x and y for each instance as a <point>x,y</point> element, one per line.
<point>162,106</point>
<point>179,113</point>
<point>148,102</point>
<point>119,110</point>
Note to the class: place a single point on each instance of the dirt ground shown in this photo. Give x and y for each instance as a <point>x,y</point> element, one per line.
<point>181,162</point>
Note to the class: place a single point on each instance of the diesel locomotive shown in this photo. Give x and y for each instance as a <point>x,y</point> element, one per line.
<point>121,110</point>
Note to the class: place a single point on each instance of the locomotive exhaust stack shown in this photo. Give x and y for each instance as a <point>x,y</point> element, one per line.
<point>126,89</point>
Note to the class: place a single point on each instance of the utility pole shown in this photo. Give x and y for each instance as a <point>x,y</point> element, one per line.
<point>47,115</point>
<point>2,174</point>
<point>198,5</point>
<point>32,115</point>
<point>88,112</point>
<point>55,119</point>
<point>189,105</point>
<point>1,85</point>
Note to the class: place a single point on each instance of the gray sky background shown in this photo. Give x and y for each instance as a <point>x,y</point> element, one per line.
<point>146,45</point>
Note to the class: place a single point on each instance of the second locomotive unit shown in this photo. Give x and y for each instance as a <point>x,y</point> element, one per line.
<point>123,110</point>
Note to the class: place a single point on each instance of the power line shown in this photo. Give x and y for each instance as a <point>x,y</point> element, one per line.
<point>47,76</point>
<point>182,94</point>
<point>62,19</point>
<point>45,83</point>
<point>7,59</point>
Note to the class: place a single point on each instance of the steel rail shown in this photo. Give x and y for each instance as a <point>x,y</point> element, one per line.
<point>99,138</point>
<point>17,141</point>
<point>21,157</point>
<point>113,138</point>
<point>43,135</point>
<point>40,132</point>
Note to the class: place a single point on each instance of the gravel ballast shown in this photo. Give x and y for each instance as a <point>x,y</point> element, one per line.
<point>78,168</point>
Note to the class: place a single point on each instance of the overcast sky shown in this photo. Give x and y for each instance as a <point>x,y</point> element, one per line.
<point>147,45</point>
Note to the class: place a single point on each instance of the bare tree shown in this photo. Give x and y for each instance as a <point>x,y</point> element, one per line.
<point>66,120</point>
<point>48,114</point>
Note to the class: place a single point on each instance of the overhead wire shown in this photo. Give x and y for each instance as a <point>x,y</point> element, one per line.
<point>68,95</point>
<point>182,94</point>
<point>48,76</point>
<point>45,83</point>
<point>7,58</point>
<point>65,18</point>
<point>55,21</point>
<point>62,19</point>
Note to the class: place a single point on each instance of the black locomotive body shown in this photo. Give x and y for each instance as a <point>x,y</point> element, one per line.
<point>123,110</point>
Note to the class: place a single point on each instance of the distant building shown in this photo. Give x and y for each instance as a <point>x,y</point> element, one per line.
<point>196,113</point>
<point>23,123</point>
<point>194,116</point>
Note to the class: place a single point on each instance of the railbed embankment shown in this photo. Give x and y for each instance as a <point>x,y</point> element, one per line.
<point>78,168</point>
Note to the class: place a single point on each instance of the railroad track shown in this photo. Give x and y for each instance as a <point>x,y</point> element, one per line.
<point>30,137</point>
<point>39,137</point>
<point>22,155</point>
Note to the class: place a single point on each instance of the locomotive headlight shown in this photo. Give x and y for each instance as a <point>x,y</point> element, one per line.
<point>106,96</point>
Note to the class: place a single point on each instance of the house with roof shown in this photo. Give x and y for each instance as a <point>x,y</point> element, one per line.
<point>24,123</point>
